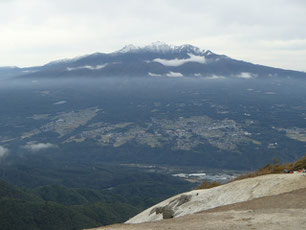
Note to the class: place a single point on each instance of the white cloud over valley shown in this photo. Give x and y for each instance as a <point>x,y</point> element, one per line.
<point>174,74</point>
<point>215,77</point>
<point>59,102</point>
<point>35,147</point>
<point>245,75</point>
<point>154,74</point>
<point>3,151</point>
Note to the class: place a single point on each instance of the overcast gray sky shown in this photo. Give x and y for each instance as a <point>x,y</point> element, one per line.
<point>268,32</point>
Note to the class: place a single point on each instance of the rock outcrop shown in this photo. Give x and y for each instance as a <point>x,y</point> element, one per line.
<point>275,202</point>
<point>234,192</point>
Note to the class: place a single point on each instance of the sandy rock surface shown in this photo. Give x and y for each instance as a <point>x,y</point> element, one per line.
<point>278,212</point>
<point>237,191</point>
<point>273,202</point>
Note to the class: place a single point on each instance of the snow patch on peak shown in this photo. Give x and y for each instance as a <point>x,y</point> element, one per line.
<point>162,47</point>
<point>208,52</point>
<point>129,48</point>
<point>190,48</point>
<point>159,47</point>
<point>67,60</point>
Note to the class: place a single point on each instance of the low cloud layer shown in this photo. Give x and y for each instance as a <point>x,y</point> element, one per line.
<point>174,74</point>
<point>179,62</point>
<point>35,147</point>
<point>215,77</point>
<point>60,103</point>
<point>3,151</point>
<point>169,74</point>
<point>154,74</point>
<point>97,67</point>
<point>245,75</point>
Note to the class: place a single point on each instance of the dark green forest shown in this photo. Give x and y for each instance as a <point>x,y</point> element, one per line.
<point>58,207</point>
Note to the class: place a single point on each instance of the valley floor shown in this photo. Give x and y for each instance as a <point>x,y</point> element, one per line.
<point>284,211</point>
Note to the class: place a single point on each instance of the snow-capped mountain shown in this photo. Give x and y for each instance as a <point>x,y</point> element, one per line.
<point>155,60</point>
<point>161,47</point>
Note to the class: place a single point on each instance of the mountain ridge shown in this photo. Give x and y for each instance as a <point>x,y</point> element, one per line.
<point>161,47</point>
<point>157,59</point>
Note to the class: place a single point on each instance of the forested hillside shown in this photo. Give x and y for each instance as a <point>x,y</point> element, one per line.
<point>61,208</point>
